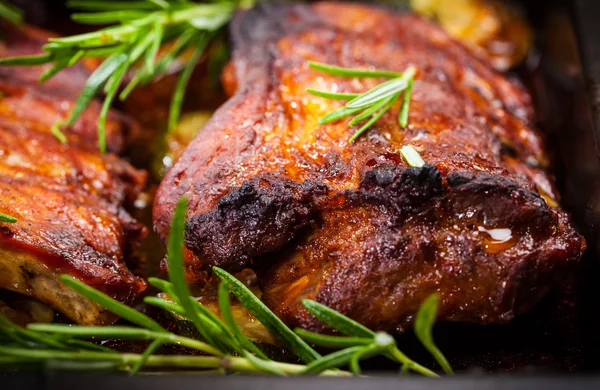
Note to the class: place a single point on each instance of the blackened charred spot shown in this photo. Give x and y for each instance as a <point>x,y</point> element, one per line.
<point>508,150</point>
<point>402,190</point>
<point>261,216</point>
<point>6,232</point>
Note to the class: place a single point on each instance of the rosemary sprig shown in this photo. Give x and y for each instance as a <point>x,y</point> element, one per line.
<point>7,218</point>
<point>131,45</point>
<point>64,346</point>
<point>371,105</point>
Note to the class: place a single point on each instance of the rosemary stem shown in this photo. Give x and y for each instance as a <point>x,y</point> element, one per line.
<point>236,364</point>
<point>402,358</point>
<point>191,343</point>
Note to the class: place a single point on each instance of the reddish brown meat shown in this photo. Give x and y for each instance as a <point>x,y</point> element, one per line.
<point>350,224</point>
<point>68,198</point>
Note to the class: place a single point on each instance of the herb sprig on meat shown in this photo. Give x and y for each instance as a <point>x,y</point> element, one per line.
<point>371,105</point>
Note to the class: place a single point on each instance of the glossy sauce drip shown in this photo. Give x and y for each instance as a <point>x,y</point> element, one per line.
<point>497,240</point>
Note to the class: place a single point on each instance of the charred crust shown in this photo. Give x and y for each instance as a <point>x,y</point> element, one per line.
<point>501,201</point>
<point>403,190</point>
<point>261,216</point>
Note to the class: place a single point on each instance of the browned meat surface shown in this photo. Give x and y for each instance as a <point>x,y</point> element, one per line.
<point>68,198</point>
<point>350,224</point>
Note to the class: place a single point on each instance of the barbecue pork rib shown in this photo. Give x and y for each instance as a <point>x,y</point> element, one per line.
<point>350,225</point>
<point>68,198</point>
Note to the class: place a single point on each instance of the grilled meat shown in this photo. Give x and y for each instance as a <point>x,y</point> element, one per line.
<point>350,224</point>
<point>68,198</point>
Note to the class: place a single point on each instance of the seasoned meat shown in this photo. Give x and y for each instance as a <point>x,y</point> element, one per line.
<point>350,224</point>
<point>68,198</point>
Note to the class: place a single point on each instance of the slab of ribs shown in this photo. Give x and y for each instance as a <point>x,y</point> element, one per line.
<point>351,225</point>
<point>68,197</point>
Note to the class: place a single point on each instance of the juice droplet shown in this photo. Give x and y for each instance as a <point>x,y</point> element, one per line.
<point>497,240</point>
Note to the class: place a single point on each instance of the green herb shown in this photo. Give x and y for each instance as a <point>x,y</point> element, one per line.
<point>411,156</point>
<point>352,328</point>
<point>423,326</point>
<point>7,218</point>
<point>350,72</point>
<point>11,13</point>
<point>273,324</point>
<point>225,308</point>
<point>227,348</point>
<point>371,105</point>
<point>132,44</point>
<point>57,132</point>
<point>403,116</point>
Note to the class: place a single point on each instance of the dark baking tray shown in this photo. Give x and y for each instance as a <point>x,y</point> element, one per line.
<point>557,345</point>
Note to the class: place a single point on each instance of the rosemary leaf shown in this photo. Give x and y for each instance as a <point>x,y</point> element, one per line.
<point>326,341</point>
<point>57,67</point>
<point>411,156</point>
<point>333,360</point>
<point>333,95</point>
<point>165,305</point>
<point>210,22</point>
<point>32,60</point>
<point>178,47</point>
<point>162,285</point>
<point>273,324</point>
<point>139,75</point>
<point>76,57</point>
<point>338,114</point>
<point>337,320</point>
<point>382,91</point>
<point>424,320</point>
<point>7,218</point>
<point>403,116</point>
<point>94,83</point>
<point>372,110</point>
<point>109,17</point>
<point>102,5</point>
<point>122,332</point>
<point>182,81</point>
<point>349,72</point>
<point>111,89</point>
<point>157,36</point>
<point>371,121</point>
